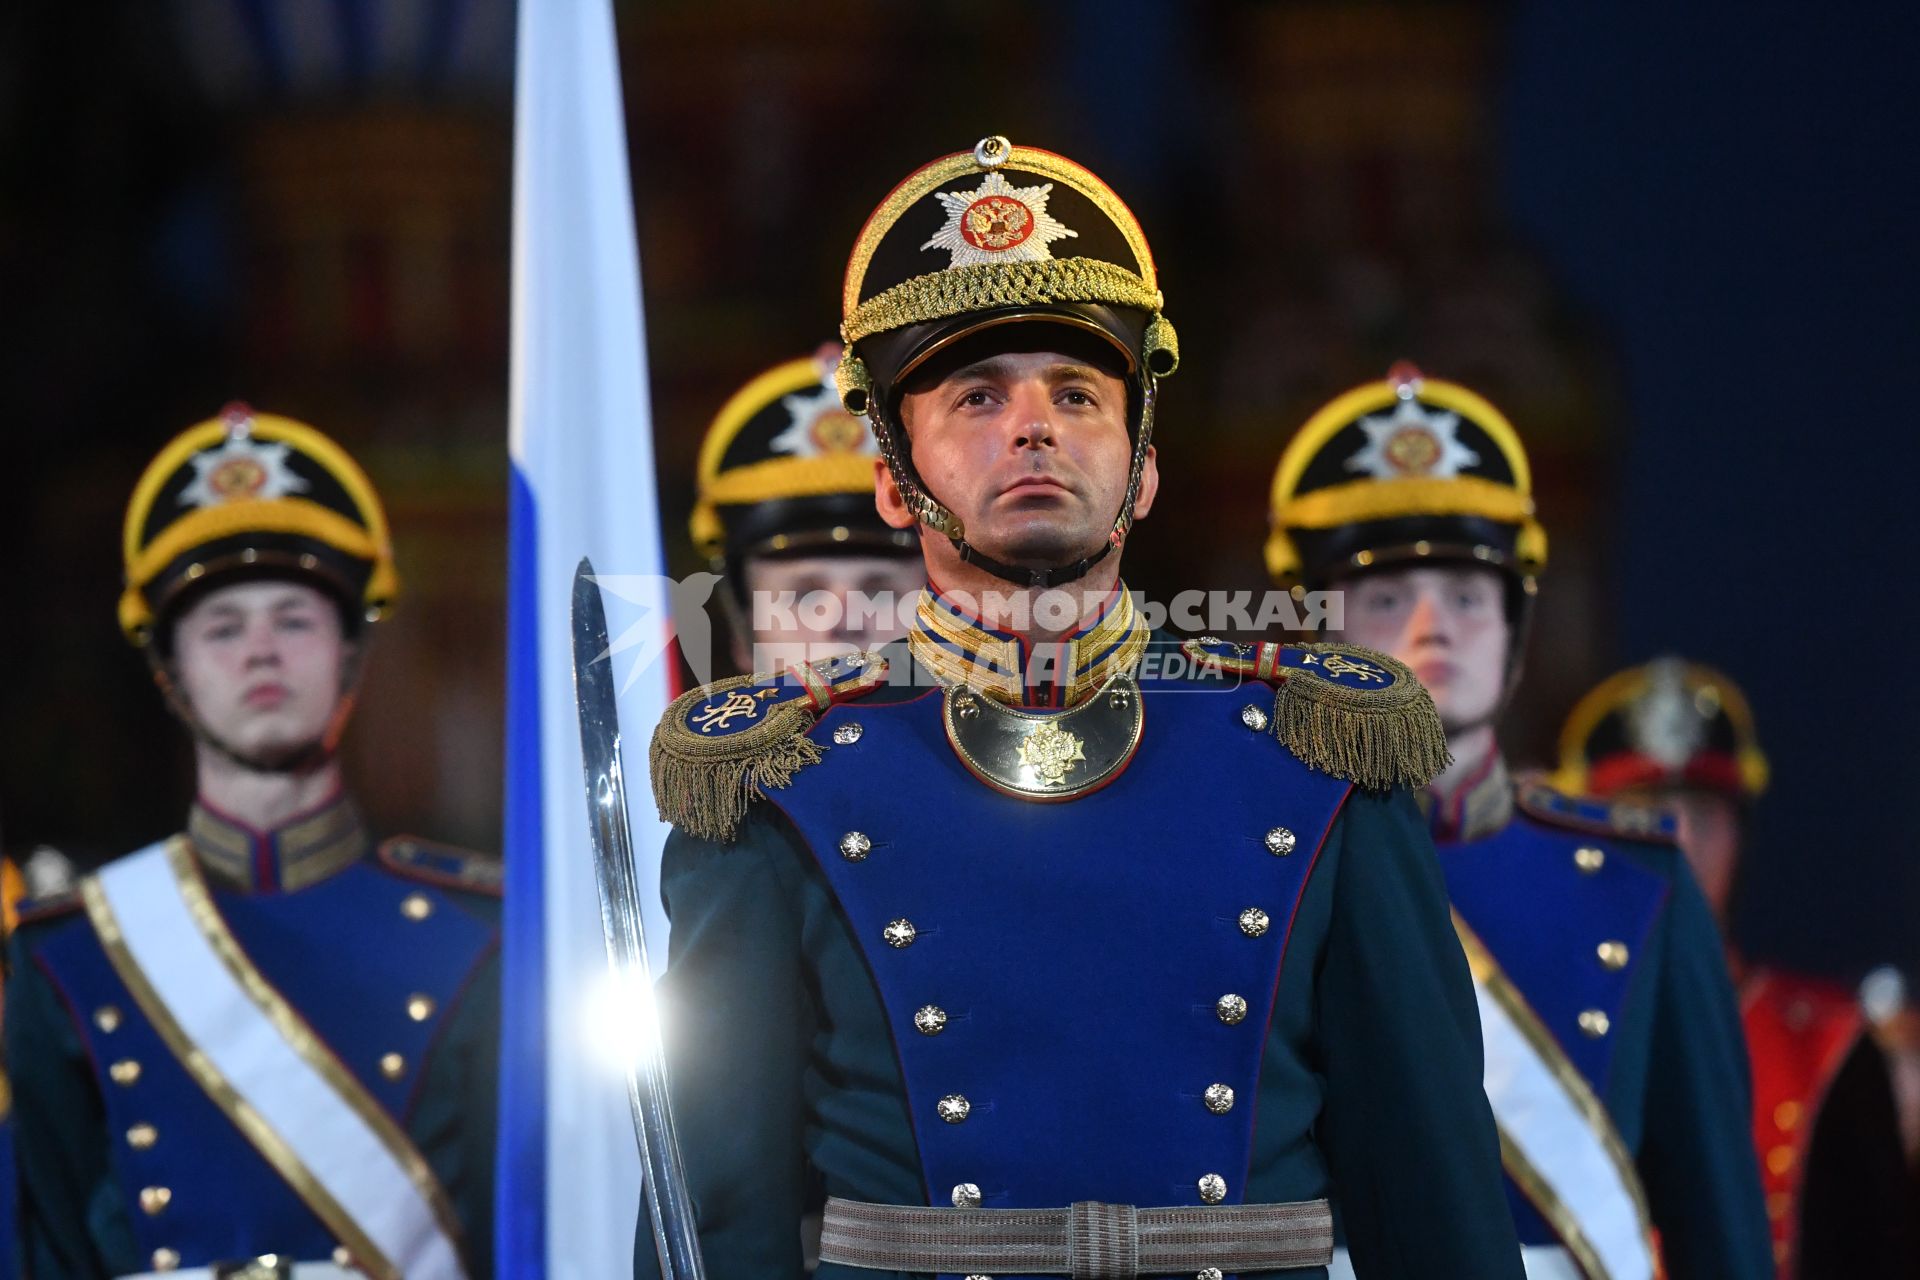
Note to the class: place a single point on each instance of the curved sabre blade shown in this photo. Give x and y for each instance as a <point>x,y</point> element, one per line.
<point>669,1206</point>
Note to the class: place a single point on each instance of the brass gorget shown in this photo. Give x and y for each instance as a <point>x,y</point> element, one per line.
<point>1046,755</point>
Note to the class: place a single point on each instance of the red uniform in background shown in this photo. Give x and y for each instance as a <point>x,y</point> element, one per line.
<point>1839,1193</point>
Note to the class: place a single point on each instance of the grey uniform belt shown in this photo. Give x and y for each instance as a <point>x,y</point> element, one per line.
<point>1087,1240</point>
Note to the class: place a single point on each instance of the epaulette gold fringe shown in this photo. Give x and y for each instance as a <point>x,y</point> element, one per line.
<point>1359,715</point>
<point>704,785</point>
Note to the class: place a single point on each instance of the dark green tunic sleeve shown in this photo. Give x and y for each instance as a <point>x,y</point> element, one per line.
<point>738,1021</point>
<point>1409,1138</point>
<point>1696,1155</point>
<point>73,1223</point>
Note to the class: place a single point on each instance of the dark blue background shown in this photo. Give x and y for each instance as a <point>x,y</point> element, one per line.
<point>1730,189</point>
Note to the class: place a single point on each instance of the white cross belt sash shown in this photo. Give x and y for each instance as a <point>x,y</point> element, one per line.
<point>1556,1140</point>
<point>1541,1262</point>
<point>267,1070</point>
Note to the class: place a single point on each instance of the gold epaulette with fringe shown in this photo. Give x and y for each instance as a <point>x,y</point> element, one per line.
<point>1628,819</point>
<point>720,747</point>
<point>442,864</point>
<point>1341,709</point>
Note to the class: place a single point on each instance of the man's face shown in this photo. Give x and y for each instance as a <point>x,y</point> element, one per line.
<point>1447,622</point>
<point>803,608</point>
<point>1709,835</point>
<point>1029,449</point>
<point>260,663</point>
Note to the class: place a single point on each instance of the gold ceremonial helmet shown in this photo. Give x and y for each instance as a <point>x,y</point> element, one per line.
<point>253,494</point>
<point>973,245</point>
<point>1668,723</point>
<point>1406,468</point>
<point>784,467</point>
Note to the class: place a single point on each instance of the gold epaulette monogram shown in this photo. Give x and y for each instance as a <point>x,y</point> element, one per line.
<point>719,747</point>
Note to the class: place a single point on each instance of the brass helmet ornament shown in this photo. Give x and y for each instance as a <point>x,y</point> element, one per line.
<point>785,468</point>
<point>996,236</point>
<point>248,495</point>
<point>255,494</point>
<point>1668,723</point>
<point>1405,469</point>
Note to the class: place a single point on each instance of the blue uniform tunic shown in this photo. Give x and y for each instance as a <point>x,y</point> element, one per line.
<point>391,958</point>
<point>1592,914</point>
<point>1076,955</point>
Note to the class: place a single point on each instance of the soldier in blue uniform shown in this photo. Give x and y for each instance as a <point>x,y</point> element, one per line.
<point>1026,951</point>
<point>265,1047</point>
<point>1824,1121</point>
<point>1614,1056</point>
<point>785,517</point>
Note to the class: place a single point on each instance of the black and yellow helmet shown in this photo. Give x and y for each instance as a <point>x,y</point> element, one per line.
<point>1407,468</point>
<point>1668,723</point>
<point>249,493</point>
<point>982,239</point>
<point>785,468</point>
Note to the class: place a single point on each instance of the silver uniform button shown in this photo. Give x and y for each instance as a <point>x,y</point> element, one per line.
<point>966,1196</point>
<point>1254,718</point>
<point>900,933</point>
<point>1589,859</point>
<point>1230,1008</point>
<point>929,1019</point>
<point>953,1108</point>
<point>1213,1188</point>
<point>1280,842</point>
<point>1254,922</point>
<point>855,846</point>
<point>847,734</point>
<point>1219,1098</point>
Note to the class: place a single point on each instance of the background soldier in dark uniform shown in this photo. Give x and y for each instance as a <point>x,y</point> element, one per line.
<point>992,921</point>
<point>265,1035</point>
<point>1824,1122</point>
<point>1615,1064</point>
<point>785,506</point>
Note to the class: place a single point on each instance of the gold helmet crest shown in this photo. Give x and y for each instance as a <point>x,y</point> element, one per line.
<point>248,493</point>
<point>1667,723</point>
<point>784,467</point>
<point>974,243</point>
<point>1406,468</point>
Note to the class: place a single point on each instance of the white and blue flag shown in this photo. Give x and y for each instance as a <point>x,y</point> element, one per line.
<point>582,484</point>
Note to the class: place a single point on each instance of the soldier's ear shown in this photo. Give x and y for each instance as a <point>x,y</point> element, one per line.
<point>887,501</point>
<point>1149,485</point>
